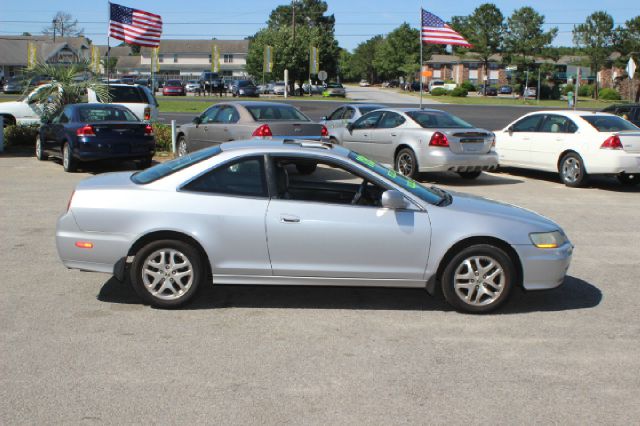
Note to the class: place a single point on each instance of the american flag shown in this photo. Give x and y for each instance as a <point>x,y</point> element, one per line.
<point>436,31</point>
<point>134,26</point>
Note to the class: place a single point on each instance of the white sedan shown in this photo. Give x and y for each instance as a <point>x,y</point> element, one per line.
<point>575,144</point>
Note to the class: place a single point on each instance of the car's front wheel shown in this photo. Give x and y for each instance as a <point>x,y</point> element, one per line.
<point>69,164</point>
<point>629,179</point>
<point>572,170</point>
<point>40,154</point>
<point>182,147</point>
<point>406,163</point>
<point>167,273</point>
<point>478,279</point>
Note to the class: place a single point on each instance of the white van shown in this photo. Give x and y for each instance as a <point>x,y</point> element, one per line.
<point>137,98</point>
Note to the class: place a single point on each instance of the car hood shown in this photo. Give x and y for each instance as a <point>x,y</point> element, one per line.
<point>476,206</point>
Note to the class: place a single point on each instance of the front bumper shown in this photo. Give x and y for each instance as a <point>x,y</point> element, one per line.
<point>444,160</point>
<point>544,269</point>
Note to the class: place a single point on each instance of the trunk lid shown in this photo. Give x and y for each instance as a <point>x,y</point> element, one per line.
<point>469,141</point>
<point>630,141</point>
<point>295,129</point>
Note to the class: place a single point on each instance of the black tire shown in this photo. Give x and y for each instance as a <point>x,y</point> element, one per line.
<point>406,163</point>
<point>182,147</point>
<point>306,169</point>
<point>69,164</point>
<point>40,154</point>
<point>572,170</point>
<point>145,163</point>
<point>629,179</point>
<point>470,175</point>
<point>479,280</point>
<point>157,294</point>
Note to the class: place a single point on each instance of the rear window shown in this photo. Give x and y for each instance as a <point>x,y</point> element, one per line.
<point>245,83</point>
<point>94,114</point>
<point>438,120</point>
<point>124,94</point>
<point>169,167</point>
<point>275,112</point>
<point>609,123</point>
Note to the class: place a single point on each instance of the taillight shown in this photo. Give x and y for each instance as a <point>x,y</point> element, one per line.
<point>439,139</point>
<point>148,130</point>
<point>324,132</point>
<point>147,113</point>
<point>70,198</point>
<point>612,142</point>
<point>86,131</point>
<point>262,131</point>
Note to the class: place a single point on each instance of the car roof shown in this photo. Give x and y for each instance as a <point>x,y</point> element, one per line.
<point>258,103</point>
<point>286,145</point>
<point>570,113</point>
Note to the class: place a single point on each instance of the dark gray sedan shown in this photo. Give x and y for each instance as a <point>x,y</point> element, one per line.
<point>232,121</point>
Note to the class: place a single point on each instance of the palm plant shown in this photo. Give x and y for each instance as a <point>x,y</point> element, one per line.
<point>69,84</point>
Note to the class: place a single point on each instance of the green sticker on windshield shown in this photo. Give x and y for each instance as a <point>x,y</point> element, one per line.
<point>365,160</point>
<point>411,183</point>
<point>392,174</point>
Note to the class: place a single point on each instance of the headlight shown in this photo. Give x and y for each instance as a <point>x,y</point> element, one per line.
<point>548,239</point>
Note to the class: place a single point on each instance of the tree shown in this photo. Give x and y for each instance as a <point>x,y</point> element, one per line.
<point>484,29</point>
<point>362,65</point>
<point>345,67</point>
<point>399,53</point>
<point>63,25</point>
<point>26,34</point>
<point>109,64</point>
<point>65,87</point>
<point>524,37</point>
<point>627,42</point>
<point>595,37</point>
<point>292,30</point>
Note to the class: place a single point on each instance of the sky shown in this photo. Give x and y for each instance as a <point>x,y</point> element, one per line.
<point>356,20</point>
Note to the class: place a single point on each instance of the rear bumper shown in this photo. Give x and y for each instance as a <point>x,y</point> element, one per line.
<point>614,162</point>
<point>443,160</point>
<point>93,151</point>
<point>544,269</point>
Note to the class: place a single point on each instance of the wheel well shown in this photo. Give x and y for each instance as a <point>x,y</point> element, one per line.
<point>399,148</point>
<point>461,245</point>
<point>170,235</point>
<point>9,119</point>
<point>179,134</point>
<point>561,156</point>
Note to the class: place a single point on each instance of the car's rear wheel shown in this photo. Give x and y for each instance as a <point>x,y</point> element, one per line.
<point>167,273</point>
<point>572,170</point>
<point>40,155</point>
<point>629,179</point>
<point>182,146</point>
<point>69,164</point>
<point>478,279</point>
<point>470,175</point>
<point>406,163</point>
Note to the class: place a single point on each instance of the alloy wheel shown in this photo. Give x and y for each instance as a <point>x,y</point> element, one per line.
<point>571,170</point>
<point>167,274</point>
<point>479,280</point>
<point>405,164</point>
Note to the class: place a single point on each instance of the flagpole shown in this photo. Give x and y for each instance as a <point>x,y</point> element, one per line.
<point>107,65</point>
<point>420,68</point>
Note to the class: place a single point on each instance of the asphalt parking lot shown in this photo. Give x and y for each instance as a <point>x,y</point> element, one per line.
<point>79,347</point>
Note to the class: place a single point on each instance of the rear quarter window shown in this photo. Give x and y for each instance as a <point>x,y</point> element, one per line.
<point>132,94</point>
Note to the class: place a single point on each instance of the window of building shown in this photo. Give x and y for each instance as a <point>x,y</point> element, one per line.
<point>175,58</point>
<point>160,57</point>
<point>210,59</point>
<point>473,65</point>
<point>228,58</point>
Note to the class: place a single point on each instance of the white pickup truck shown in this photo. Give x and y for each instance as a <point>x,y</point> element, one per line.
<point>137,98</point>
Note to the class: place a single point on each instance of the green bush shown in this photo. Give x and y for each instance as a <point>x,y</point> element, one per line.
<point>549,92</point>
<point>468,86</point>
<point>21,135</point>
<point>163,137</point>
<point>459,92</point>
<point>439,91</point>
<point>568,88</point>
<point>609,95</point>
<point>585,90</point>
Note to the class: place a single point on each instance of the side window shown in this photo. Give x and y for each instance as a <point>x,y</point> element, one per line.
<point>335,115</point>
<point>209,115</point>
<point>528,124</point>
<point>348,113</point>
<point>557,124</point>
<point>244,177</point>
<point>64,117</point>
<point>227,114</point>
<point>390,120</point>
<point>368,121</point>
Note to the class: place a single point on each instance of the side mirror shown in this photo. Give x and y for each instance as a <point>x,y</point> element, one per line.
<point>510,130</point>
<point>350,127</point>
<point>324,118</point>
<point>196,120</point>
<point>393,199</point>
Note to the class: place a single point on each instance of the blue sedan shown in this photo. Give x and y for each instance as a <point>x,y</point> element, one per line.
<point>90,132</point>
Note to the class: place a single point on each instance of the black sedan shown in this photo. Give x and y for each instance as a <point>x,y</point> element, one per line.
<point>90,132</point>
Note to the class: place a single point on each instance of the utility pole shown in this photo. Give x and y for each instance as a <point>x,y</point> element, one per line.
<point>293,25</point>
<point>54,22</point>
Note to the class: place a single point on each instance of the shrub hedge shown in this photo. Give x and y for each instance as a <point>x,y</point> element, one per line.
<point>609,95</point>
<point>459,92</point>
<point>439,91</point>
<point>21,135</point>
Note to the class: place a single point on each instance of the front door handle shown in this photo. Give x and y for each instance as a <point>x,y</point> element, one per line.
<point>287,218</point>
<point>393,134</point>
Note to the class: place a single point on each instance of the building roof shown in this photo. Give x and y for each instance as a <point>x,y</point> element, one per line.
<point>200,46</point>
<point>13,49</point>
<point>116,51</point>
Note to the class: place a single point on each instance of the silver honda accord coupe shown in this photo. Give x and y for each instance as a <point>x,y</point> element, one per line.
<point>241,213</point>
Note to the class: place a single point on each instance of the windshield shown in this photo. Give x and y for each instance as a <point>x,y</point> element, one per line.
<point>275,112</point>
<point>366,109</point>
<point>174,83</point>
<point>431,195</point>
<point>168,167</point>
<point>334,86</point>
<point>438,120</point>
<point>609,123</point>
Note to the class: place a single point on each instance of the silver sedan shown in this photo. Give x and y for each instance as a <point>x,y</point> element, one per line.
<point>239,213</point>
<point>346,114</point>
<point>421,140</point>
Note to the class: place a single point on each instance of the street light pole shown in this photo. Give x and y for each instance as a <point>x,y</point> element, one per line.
<point>54,22</point>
